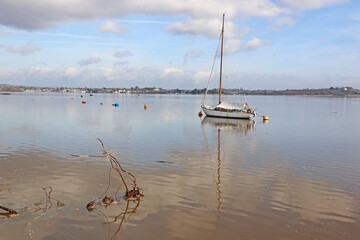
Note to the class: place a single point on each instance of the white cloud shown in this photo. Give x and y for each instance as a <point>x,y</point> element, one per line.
<point>72,71</point>
<point>254,44</point>
<point>232,45</point>
<point>108,73</point>
<point>27,49</point>
<point>207,27</point>
<point>201,77</point>
<point>110,27</point>
<point>122,54</point>
<point>282,22</point>
<point>145,21</point>
<point>259,8</point>
<point>89,61</point>
<point>167,78</point>
<point>36,69</point>
<point>41,14</point>
<point>194,53</point>
<point>80,77</point>
<point>309,4</point>
<point>200,17</point>
<point>179,78</point>
<point>172,72</point>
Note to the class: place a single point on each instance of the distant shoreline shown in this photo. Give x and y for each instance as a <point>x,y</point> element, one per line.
<point>300,95</point>
<point>323,92</point>
<point>294,95</point>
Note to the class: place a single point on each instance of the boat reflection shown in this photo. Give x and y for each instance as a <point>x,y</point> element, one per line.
<point>228,124</point>
<point>242,126</point>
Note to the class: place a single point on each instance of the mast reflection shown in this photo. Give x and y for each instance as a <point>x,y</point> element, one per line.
<point>242,126</point>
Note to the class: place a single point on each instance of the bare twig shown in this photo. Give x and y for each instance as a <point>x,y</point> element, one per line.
<point>132,194</point>
<point>84,156</point>
<point>114,164</point>
<point>9,210</point>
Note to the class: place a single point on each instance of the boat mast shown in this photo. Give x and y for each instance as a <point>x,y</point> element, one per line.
<point>222,49</point>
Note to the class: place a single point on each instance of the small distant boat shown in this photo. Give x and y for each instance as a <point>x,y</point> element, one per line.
<point>227,109</point>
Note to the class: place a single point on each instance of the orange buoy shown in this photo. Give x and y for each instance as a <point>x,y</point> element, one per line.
<point>83,102</point>
<point>200,114</point>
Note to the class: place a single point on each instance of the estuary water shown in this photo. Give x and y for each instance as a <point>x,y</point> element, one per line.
<point>296,176</point>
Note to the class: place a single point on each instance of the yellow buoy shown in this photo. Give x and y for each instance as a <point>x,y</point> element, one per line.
<point>200,114</point>
<point>265,118</point>
<point>145,106</point>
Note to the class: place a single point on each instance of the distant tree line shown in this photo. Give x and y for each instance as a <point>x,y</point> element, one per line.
<point>332,91</point>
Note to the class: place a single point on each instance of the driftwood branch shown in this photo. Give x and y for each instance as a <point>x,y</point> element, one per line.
<point>9,210</point>
<point>114,163</point>
<point>131,194</point>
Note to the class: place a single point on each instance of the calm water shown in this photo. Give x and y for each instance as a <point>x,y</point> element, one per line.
<point>295,177</point>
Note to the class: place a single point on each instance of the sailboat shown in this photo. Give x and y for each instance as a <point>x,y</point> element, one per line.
<point>227,109</point>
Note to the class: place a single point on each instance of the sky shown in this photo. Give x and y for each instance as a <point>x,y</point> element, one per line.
<point>268,44</point>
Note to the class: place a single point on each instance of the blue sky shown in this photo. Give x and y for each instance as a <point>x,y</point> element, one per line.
<point>281,44</point>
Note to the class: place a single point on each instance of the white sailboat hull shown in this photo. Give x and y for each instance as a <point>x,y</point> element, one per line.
<point>225,114</point>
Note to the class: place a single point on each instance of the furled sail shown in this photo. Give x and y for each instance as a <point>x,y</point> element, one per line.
<point>229,106</point>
